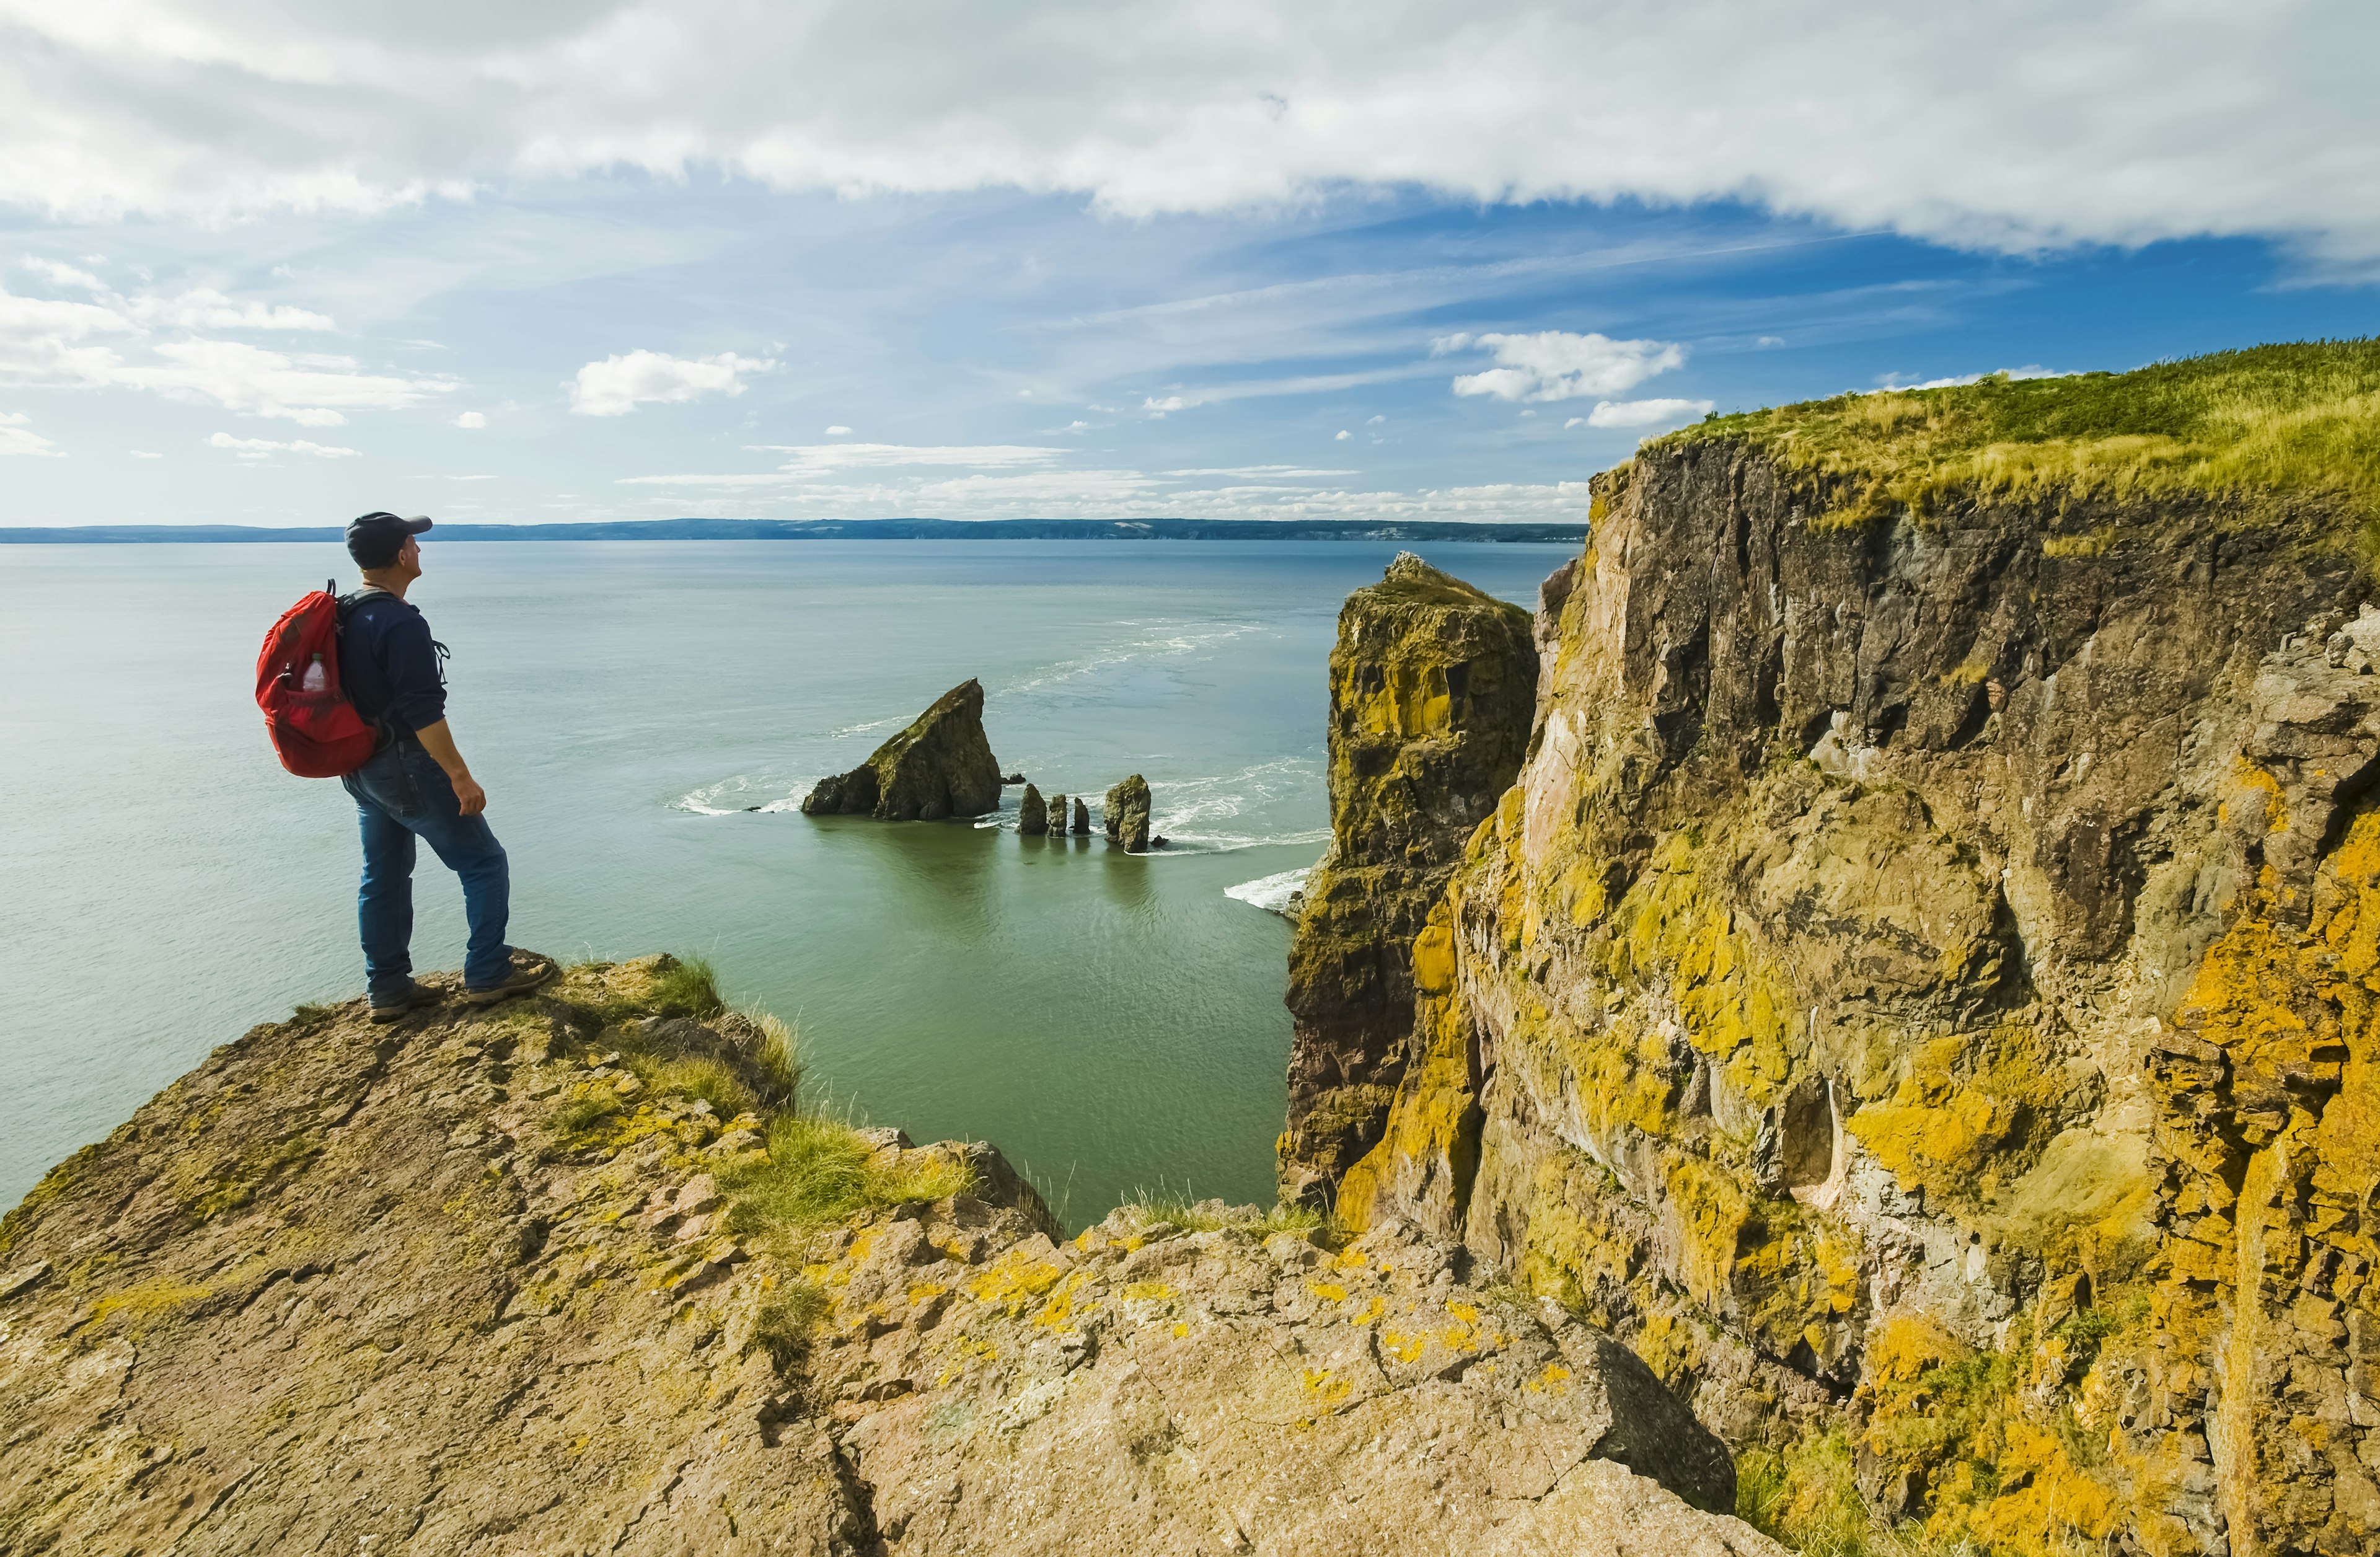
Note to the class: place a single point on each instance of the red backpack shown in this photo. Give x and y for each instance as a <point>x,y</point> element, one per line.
<point>316,731</point>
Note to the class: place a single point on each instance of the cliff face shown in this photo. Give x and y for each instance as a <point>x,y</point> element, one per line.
<point>567,1276</point>
<point>1432,686</point>
<point>1920,991</point>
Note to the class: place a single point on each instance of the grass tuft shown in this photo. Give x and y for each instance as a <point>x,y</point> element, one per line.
<point>783,1326</point>
<point>2301,420</point>
<point>820,1171</point>
<point>712,1080</point>
<point>1208,1216</point>
<point>687,987</point>
<point>780,1057</point>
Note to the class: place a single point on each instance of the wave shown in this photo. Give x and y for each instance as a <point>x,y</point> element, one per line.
<point>1272,893</point>
<point>745,792</point>
<point>1197,811</point>
<point>1158,639</point>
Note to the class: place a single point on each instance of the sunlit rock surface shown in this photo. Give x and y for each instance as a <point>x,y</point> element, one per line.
<point>1921,993</point>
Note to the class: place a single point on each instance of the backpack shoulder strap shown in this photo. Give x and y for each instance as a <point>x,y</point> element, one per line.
<point>347,603</point>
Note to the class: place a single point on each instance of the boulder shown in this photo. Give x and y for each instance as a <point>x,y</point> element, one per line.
<point>1127,814</point>
<point>1082,816</point>
<point>941,766</point>
<point>1032,813</point>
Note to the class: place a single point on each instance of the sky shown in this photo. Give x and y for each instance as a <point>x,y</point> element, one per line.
<point>277,264</point>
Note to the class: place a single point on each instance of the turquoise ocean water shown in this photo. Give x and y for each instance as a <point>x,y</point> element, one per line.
<point>1112,1023</point>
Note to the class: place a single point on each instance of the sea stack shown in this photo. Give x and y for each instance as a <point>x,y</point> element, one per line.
<point>1057,828</point>
<point>1432,687</point>
<point>1126,810</point>
<point>1082,816</point>
<point>1033,813</point>
<point>941,766</point>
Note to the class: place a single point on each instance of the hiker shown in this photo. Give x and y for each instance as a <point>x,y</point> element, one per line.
<point>416,783</point>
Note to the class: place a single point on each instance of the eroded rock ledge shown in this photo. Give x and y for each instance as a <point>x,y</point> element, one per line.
<point>495,1281</point>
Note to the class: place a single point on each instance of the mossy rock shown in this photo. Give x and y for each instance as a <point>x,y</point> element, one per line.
<point>941,766</point>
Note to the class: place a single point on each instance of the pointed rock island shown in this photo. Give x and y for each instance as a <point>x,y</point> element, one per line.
<point>941,766</point>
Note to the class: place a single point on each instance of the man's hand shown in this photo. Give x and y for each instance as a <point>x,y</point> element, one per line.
<point>439,741</point>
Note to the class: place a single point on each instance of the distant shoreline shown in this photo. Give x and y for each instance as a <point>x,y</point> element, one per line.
<point>841,529</point>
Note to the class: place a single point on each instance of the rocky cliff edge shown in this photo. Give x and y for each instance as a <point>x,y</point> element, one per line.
<point>571,1276</point>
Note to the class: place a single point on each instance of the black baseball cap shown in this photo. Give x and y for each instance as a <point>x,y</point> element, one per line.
<point>373,539</point>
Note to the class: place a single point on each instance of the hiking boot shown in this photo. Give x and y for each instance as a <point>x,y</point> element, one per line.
<point>388,1008</point>
<point>529,970</point>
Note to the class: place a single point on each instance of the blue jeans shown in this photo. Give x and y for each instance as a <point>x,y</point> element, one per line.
<point>402,794</point>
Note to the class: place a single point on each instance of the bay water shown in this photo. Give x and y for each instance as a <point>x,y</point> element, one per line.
<point>1114,1022</point>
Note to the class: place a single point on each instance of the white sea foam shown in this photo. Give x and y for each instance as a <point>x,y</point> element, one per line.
<point>1272,893</point>
<point>1158,639</point>
<point>745,792</point>
<point>1200,812</point>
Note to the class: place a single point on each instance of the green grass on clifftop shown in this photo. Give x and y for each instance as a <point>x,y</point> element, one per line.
<point>2299,420</point>
<point>820,1173</point>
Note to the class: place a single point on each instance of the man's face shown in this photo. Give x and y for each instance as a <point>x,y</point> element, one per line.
<point>408,556</point>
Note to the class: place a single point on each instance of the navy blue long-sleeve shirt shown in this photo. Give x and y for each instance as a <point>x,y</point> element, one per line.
<point>388,663</point>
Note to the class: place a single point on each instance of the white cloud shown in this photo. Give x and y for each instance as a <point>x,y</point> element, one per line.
<point>52,343</point>
<point>144,454</point>
<point>17,438</point>
<point>838,431</point>
<point>2030,370</point>
<point>617,385</point>
<point>57,275</point>
<point>472,419</point>
<point>1556,365</point>
<point>1340,436</point>
<point>809,460</point>
<point>2008,126</point>
<point>205,309</point>
<point>307,389</point>
<point>1376,421</point>
<point>1642,413</point>
<point>1127,493</point>
<point>262,448</point>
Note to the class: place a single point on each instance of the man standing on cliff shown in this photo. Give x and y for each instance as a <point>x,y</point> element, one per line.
<point>415,785</point>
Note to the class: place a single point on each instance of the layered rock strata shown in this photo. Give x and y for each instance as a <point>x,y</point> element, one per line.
<point>489,1281</point>
<point>1126,810</point>
<point>1432,683</point>
<point>1922,989</point>
<point>941,766</point>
